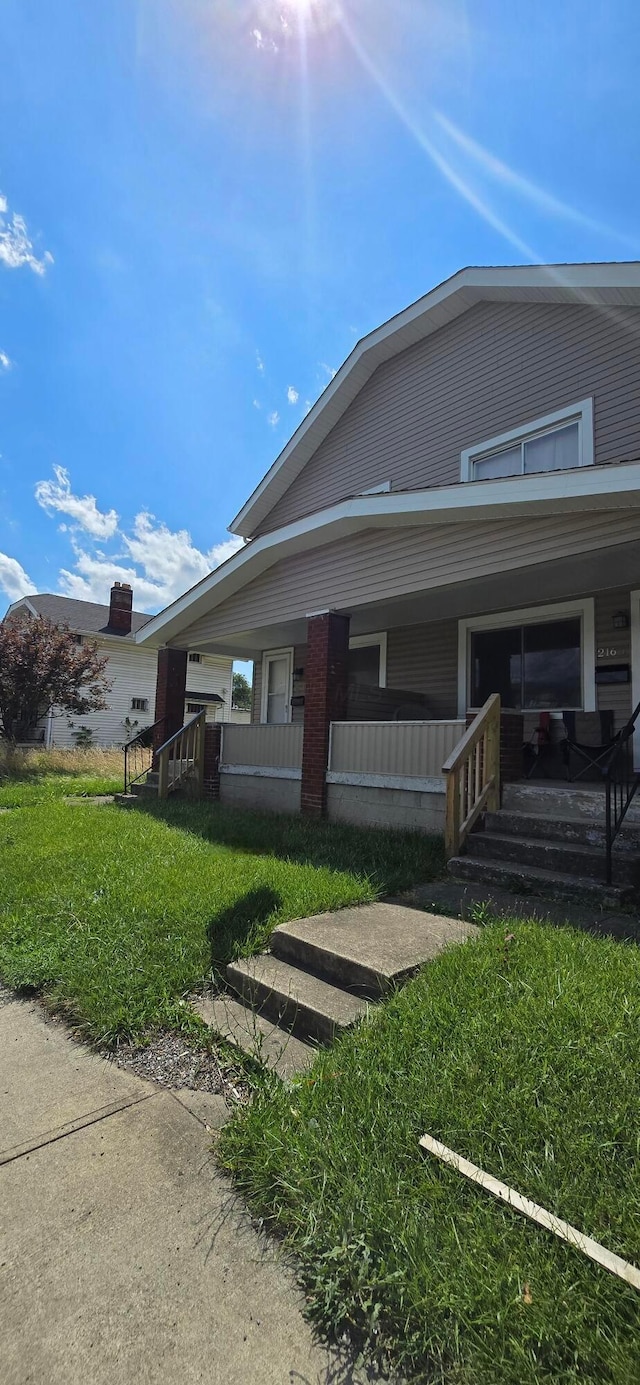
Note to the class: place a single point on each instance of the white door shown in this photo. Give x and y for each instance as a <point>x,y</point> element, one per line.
<point>277,691</point>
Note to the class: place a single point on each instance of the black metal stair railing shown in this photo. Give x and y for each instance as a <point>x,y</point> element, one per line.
<point>621,784</point>
<point>138,753</point>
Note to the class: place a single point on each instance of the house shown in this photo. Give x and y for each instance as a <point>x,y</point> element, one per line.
<point>458,516</point>
<point>131,670</point>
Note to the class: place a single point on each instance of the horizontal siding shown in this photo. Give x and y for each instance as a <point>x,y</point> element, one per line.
<point>494,368</point>
<point>416,749</point>
<point>424,659</point>
<point>379,564</point>
<point>132,670</point>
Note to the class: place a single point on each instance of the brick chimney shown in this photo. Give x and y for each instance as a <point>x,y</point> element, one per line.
<point>120,608</point>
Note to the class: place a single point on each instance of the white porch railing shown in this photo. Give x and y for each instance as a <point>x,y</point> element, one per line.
<point>399,750</point>
<point>473,776</point>
<point>262,747</point>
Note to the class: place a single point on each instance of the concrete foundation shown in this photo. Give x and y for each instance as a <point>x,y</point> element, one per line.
<point>372,807</point>
<point>260,793</point>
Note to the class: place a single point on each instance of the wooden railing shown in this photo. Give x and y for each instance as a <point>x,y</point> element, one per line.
<point>472,773</point>
<point>182,757</point>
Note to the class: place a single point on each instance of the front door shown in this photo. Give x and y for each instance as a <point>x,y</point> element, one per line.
<point>276,706</point>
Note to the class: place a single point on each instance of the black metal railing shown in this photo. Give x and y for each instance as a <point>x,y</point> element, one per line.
<point>621,783</point>
<point>138,753</point>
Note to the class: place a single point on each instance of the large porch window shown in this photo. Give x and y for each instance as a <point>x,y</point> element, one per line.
<point>531,666</point>
<point>538,659</point>
<point>367,665</point>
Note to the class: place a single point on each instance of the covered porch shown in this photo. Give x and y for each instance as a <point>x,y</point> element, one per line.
<point>357,708</point>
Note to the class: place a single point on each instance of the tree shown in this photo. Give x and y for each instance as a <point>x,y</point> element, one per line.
<point>41,667</point>
<point>241,697</point>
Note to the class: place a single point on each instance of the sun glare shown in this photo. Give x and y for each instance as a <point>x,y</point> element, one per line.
<point>289,16</point>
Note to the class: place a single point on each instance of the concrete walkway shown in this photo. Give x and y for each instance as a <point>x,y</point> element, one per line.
<point>123,1255</point>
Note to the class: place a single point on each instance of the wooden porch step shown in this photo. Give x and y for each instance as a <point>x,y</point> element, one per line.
<point>303,1002</point>
<point>523,880</point>
<point>561,857</point>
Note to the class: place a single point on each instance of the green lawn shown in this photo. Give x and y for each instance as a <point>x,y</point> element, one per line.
<point>521,1053</point>
<point>118,914</point>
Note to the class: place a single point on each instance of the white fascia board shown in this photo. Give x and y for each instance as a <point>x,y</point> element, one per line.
<point>613,284</point>
<point>586,488</point>
<point>16,606</point>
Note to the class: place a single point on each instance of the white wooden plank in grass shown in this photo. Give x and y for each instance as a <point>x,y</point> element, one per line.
<point>614,1263</point>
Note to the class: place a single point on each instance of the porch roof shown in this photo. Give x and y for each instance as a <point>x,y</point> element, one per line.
<point>593,488</point>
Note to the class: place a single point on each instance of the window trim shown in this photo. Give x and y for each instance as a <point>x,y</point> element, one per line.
<point>145,708</point>
<point>532,615</point>
<point>267,656</point>
<point>581,413</point>
<point>365,642</point>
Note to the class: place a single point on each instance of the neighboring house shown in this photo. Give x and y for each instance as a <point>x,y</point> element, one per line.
<point>464,499</point>
<point>132,670</point>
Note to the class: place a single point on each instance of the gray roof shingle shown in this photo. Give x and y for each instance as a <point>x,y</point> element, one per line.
<point>85,617</point>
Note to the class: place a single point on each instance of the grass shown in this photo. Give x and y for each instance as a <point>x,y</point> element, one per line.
<point>34,776</point>
<point>117,915</point>
<point>520,1051</point>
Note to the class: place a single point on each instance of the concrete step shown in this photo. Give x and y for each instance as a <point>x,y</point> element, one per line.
<point>142,789</point>
<point>309,1007</point>
<point>584,831</point>
<point>255,1035</point>
<point>368,949</point>
<point>562,801</point>
<point>562,857</point>
<point>532,880</point>
<point>153,777</point>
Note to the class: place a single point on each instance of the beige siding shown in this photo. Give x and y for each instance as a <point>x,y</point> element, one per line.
<point>380,564</point>
<point>415,749</point>
<point>279,746</point>
<point>495,367</point>
<point>424,658</point>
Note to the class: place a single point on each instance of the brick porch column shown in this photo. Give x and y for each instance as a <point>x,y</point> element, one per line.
<point>325,701</point>
<point>171,686</point>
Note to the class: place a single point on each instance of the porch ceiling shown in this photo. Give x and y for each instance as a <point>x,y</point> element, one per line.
<point>579,575</point>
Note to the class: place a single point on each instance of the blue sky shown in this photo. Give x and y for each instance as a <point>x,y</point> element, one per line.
<point>204,203</point>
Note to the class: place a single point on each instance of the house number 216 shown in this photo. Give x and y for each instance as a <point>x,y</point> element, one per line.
<point>606,652</point>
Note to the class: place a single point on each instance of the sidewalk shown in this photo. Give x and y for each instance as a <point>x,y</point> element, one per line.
<point>123,1254</point>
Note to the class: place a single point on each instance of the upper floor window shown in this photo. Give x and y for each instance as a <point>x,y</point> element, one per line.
<point>195,658</point>
<point>139,704</point>
<point>557,442</point>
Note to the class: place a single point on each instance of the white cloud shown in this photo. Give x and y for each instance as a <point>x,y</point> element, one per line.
<point>159,563</point>
<point>328,370</point>
<point>13,578</point>
<point>273,419</point>
<point>257,404</point>
<point>5,361</point>
<point>57,495</point>
<point>16,246</point>
<point>293,395</point>
<point>259,363</point>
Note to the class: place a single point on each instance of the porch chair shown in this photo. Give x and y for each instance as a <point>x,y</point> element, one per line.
<point>590,738</point>
<point>539,749</point>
